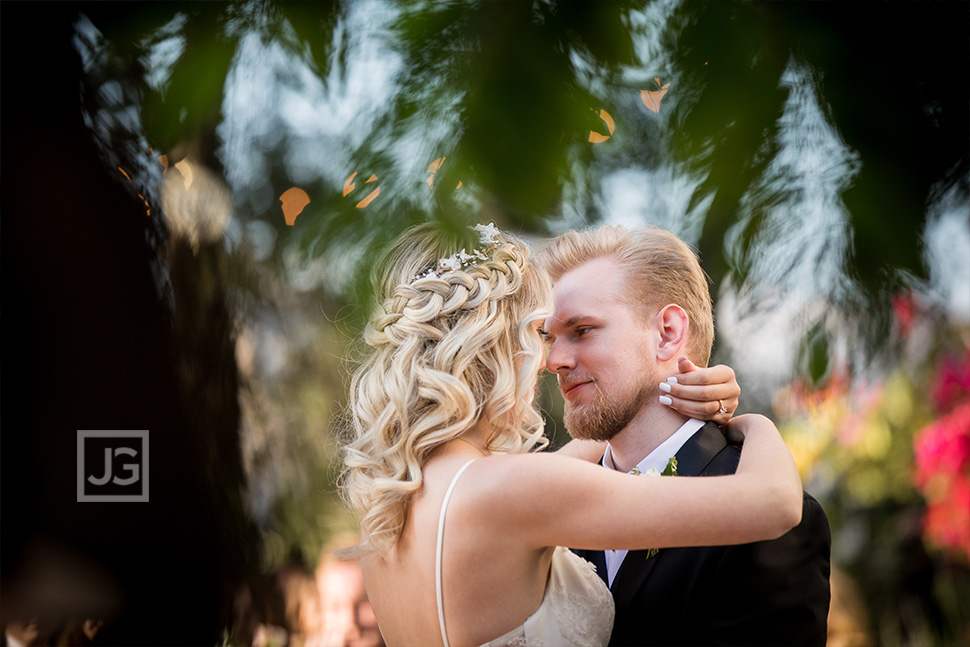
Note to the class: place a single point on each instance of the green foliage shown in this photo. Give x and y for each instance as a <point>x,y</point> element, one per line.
<point>192,98</point>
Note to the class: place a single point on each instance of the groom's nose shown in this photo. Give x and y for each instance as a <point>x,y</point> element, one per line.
<point>560,358</point>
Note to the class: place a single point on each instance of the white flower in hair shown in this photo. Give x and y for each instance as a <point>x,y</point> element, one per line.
<point>449,264</point>
<point>487,234</point>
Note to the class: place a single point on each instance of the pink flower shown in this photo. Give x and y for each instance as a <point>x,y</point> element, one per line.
<point>952,383</point>
<point>943,446</point>
<point>942,451</point>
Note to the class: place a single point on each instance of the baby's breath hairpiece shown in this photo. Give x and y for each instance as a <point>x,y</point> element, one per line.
<point>488,239</point>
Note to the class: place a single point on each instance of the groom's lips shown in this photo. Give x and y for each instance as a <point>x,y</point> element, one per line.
<point>573,387</point>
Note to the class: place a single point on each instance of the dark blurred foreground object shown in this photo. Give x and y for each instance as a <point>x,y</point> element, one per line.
<point>100,348</point>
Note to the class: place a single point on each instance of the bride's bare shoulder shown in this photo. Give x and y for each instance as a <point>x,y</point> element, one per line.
<point>515,475</point>
<point>527,500</point>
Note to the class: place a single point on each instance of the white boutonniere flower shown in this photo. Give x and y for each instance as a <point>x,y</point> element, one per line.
<point>669,470</point>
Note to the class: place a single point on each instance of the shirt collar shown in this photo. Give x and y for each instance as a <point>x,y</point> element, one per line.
<point>657,459</point>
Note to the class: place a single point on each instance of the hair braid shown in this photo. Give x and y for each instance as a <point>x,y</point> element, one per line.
<point>444,352</point>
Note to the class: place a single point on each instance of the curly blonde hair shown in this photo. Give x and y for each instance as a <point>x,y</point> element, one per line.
<point>443,353</point>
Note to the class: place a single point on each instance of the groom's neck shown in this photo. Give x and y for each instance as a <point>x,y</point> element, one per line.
<point>653,425</point>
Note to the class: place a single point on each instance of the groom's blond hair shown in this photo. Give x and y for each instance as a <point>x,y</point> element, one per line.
<point>659,267</point>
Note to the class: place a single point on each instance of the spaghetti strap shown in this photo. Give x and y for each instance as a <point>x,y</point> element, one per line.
<point>437,558</point>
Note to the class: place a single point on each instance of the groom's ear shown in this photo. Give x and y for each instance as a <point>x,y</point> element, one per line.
<point>672,323</point>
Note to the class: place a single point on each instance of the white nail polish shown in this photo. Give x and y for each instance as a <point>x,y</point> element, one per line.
<point>665,400</point>
<point>665,387</point>
<point>672,379</point>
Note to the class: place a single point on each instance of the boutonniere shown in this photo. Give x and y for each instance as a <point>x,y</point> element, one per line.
<point>669,470</point>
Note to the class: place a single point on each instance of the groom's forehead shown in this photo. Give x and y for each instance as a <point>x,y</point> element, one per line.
<point>594,284</point>
<point>576,301</point>
<point>577,308</point>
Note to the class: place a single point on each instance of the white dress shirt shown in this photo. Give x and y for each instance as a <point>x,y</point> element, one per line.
<point>657,460</point>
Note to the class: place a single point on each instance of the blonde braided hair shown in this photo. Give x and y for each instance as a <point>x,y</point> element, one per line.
<point>444,352</point>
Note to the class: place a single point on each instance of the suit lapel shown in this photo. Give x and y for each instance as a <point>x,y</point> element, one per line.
<point>633,571</point>
<point>700,449</point>
<point>695,455</point>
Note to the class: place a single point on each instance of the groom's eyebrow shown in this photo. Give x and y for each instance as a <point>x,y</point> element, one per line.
<point>572,321</point>
<point>567,324</point>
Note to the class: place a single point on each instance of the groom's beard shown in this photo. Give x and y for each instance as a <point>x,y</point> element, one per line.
<point>603,418</point>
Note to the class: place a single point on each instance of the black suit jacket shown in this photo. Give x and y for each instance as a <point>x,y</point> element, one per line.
<point>764,593</point>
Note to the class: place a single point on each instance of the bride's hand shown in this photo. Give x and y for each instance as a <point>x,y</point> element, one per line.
<point>703,393</point>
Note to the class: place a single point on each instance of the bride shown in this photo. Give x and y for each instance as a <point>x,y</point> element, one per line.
<point>460,517</point>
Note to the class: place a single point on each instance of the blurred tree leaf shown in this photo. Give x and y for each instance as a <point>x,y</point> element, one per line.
<point>191,100</point>
<point>905,114</point>
<point>522,110</point>
<point>816,356</point>
<point>313,24</point>
<point>734,56</point>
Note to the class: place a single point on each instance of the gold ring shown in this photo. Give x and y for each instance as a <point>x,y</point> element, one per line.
<point>720,409</point>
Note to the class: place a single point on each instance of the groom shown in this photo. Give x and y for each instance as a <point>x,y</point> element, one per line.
<point>628,304</point>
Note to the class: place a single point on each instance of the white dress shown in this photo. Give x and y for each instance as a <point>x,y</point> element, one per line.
<point>576,609</point>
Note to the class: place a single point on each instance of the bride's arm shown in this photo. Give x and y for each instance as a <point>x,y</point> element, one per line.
<point>697,392</point>
<point>585,450</point>
<point>549,501</point>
